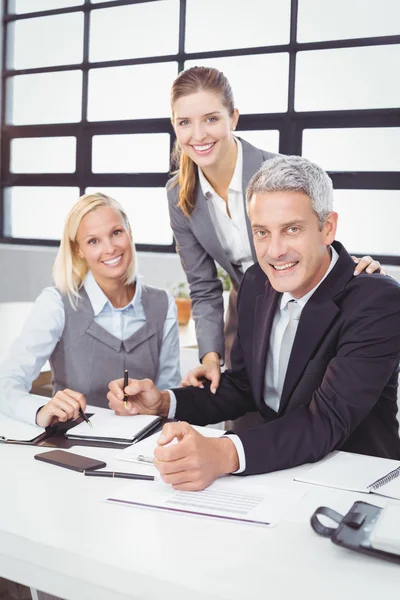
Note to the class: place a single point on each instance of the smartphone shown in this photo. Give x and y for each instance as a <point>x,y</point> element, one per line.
<point>76,462</point>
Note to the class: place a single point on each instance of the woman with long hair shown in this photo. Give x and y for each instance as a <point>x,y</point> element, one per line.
<point>207,208</point>
<point>97,321</point>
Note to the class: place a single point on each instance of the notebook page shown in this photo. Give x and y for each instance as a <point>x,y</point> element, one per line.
<point>390,489</point>
<point>106,424</point>
<point>143,451</point>
<point>348,471</point>
<point>11,429</point>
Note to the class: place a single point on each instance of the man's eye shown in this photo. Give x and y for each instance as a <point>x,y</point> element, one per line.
<point>260,233</point>
<point>293,229</point>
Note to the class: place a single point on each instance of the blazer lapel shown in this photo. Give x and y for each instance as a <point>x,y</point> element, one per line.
<point>316,319</point>
<point>204,230</point>
<point>252,161</point>
<point>264,316</point>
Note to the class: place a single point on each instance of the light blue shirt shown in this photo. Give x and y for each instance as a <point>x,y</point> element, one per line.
<point>43,330</point>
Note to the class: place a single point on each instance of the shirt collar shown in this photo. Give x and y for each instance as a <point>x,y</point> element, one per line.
<point>287,296</point>
<point>236,181</point>
<point>99,300</point>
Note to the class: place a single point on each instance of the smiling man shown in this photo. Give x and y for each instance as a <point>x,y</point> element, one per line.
<point>316,353</point>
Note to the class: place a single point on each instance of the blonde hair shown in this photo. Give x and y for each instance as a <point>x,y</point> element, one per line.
<point>69,269</point>
<point>188,82</point>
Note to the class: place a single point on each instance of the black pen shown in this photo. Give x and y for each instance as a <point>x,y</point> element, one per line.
<point>125,384</point>
<point>121,475</point>
<point>84,417</point>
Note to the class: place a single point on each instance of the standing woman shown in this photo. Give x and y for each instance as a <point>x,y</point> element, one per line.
<point>97,321</point>
<point>207,209</point>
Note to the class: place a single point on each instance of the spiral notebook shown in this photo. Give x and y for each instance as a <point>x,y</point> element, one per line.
<point>356,473</point>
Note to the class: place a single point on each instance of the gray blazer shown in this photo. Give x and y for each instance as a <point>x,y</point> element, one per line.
<point>198,247</point>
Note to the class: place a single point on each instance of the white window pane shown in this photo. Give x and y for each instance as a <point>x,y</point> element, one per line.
<point>363,149</point>
<point>131,153</point>
<point>348,78</point>
<point>38,212</point>
<point>61,41</point>
<point>43,155</point>
<point>251,79</point>
<point>377,231</point>
<point>223,24</point>
<point>27,6</point>
<point>147,210</point>
<point>45,98</point>
<point>265,140</point>
<point>341,19</point>
<point>135,92</point>
<point>117,33</point>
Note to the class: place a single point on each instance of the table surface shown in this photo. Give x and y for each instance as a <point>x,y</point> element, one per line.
<point>58,534</point>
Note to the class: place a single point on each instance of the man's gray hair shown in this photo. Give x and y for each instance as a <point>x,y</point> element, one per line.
<point>295,174</point>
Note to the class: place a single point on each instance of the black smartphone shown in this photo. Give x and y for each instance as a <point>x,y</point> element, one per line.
<point>76,462</point>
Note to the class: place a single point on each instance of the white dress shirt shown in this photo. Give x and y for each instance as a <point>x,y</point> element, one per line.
<point>271,396</point>
<point>43,330</point>
<point>231,231</point>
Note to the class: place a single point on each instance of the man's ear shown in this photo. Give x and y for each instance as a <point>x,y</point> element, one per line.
<point>235,118</point>
<point>330,227</point>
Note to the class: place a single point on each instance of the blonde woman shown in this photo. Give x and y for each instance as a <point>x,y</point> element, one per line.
<point>97,321</point>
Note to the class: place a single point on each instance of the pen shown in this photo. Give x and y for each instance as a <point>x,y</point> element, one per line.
<point>121,475</point>
<point>84,417</point>
<point>125,384</point>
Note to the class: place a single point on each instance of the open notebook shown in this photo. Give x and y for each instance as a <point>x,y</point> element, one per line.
<point>12,430</point>
<point>109,427</point>
<point>356,473</point>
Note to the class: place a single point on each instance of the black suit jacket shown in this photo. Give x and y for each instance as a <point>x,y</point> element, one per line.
<point>340,390</point>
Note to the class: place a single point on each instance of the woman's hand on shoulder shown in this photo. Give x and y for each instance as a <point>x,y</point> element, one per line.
<point>63,406</point>
<point>209,369</point>
<point>368,264</point>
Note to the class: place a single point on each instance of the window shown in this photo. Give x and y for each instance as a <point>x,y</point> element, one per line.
<point>88,108</point>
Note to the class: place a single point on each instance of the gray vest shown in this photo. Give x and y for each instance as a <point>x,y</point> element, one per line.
<point>88,357</point>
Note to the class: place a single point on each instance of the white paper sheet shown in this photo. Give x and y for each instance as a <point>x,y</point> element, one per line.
<point>108,425</point>
<point>143,451</point>
<point>240,502</point>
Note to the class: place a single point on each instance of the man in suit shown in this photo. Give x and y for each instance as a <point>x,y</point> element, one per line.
<point>316,353</point>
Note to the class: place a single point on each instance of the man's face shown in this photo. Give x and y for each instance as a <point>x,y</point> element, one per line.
<point>291,248</point>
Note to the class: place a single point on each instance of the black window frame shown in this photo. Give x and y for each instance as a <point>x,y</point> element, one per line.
<point>290,124</point>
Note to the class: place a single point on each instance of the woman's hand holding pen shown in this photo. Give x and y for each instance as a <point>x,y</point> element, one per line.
<point>144,398</point>
<point>209,369</point>
<point>63,406</point>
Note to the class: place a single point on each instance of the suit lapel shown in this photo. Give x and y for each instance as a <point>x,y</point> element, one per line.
<point>316,318</point>
<point>264,316</point>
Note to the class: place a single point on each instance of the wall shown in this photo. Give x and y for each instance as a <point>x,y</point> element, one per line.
<point>26,270</point>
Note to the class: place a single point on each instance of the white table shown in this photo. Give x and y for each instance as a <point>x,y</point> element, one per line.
<point>57,534</point>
